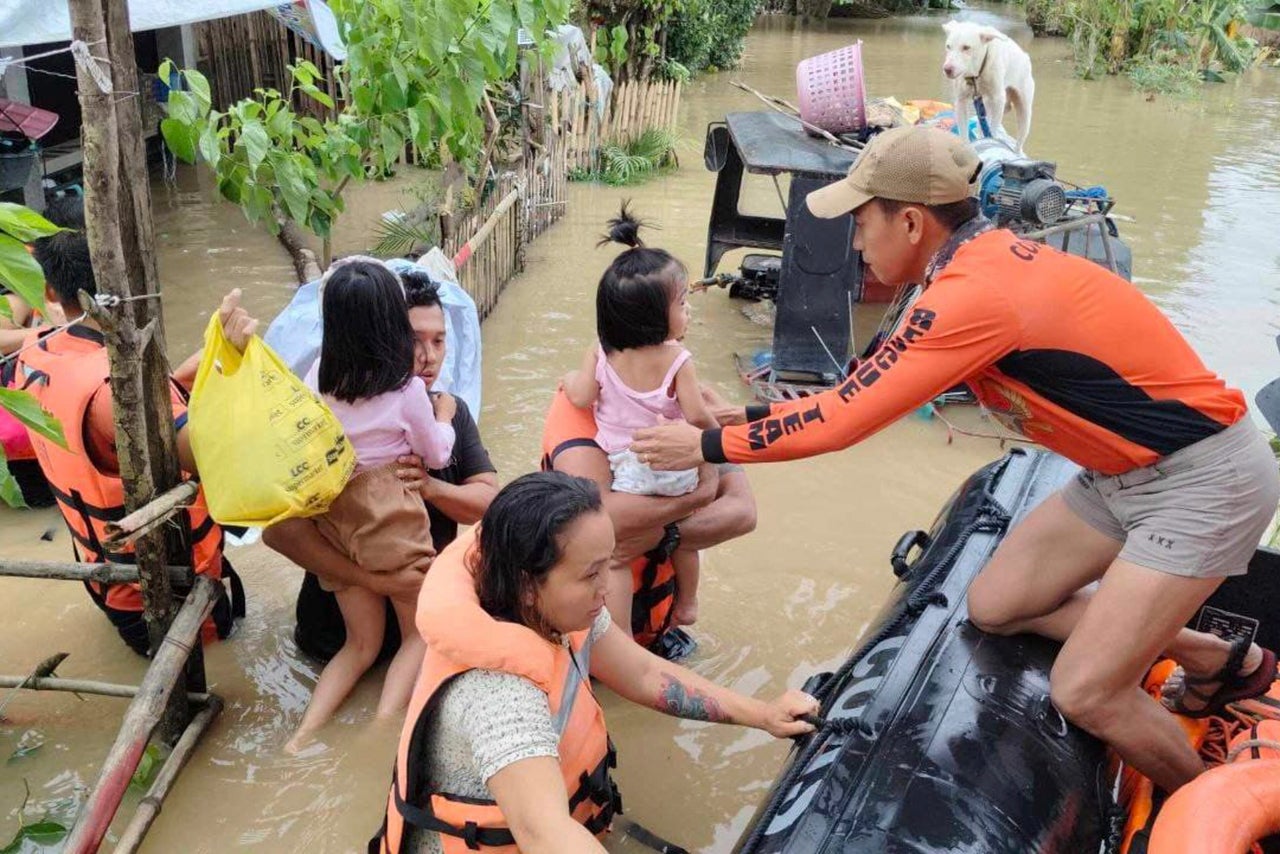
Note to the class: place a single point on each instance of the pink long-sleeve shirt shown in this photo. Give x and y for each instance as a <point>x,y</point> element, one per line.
<point>391,425</point>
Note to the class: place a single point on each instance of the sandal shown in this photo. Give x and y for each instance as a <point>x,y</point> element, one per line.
<point>1232,686</point>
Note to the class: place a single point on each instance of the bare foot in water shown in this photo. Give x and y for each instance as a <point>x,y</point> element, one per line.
<point>684,612</point>
<point>301,741</point>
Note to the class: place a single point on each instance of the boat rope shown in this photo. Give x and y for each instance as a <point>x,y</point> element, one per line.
<point>839,726</point>
<point>45,337</point>
<point>1250,744</point>
<point>633,829</point>
<point>934,410</point>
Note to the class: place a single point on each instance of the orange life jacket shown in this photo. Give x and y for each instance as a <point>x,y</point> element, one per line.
<point>653,578</point>
<point>63,372</point>
<point>461,636</point>
<point>653,582</point>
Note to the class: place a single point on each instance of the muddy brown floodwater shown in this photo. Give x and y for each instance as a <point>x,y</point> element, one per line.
<point>1202,179</point>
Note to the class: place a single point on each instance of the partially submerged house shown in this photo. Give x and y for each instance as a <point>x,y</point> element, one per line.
<point>238,44</point>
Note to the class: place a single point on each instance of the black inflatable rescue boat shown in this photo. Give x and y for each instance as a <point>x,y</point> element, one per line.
<point>938,737</point>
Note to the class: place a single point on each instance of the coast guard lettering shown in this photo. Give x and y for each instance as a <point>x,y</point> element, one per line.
<point>1059,349</point>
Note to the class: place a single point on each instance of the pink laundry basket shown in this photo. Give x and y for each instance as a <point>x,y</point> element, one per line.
<point>831,90</point>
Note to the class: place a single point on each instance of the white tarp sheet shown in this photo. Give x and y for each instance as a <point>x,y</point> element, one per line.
<point>24,22</point>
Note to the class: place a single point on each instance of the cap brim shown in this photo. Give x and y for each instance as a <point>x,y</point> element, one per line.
<point>836,200</point>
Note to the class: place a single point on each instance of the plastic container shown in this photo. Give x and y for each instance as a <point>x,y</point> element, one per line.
<point>832,92</point>
<point>15,166</point>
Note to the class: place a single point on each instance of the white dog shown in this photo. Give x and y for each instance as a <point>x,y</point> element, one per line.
<point>984,57</point>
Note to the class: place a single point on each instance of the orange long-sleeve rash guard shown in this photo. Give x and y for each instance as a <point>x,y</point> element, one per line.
<point>1061,350</point>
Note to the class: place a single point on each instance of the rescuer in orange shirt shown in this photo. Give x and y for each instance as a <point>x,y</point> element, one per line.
<point>1177,487</point>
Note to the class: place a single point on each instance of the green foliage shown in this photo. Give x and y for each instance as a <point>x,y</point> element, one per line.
<point>24,407</point>
<point>636,39</point>
<point>398,235</point>
<point>416,72</point>
<point>10,491</point>
<point>611,48</point>
<point>633,162</point>
<point>1045,17</point>
<point>39,834</point>
<point>1109,36</point>
<point>21,273</point>
<point>706,34</point>
<point>30,742</point>
<point>673,70</point>
<point>1265,14</point>
<point>1164,78</point>
<point>18,270</point>
<point>149,764</point>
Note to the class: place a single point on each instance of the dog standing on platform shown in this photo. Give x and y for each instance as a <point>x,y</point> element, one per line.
<point>983,57</point>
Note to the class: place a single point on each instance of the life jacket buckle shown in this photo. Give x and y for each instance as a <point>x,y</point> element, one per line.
<point>471,835</point>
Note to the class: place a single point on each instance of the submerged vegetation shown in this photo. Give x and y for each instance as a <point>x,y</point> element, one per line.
<point>651,153</point>
<point>1164,46</point>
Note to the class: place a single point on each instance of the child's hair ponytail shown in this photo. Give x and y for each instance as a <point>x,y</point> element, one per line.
<point>633,301</point>
<point>625,229</point>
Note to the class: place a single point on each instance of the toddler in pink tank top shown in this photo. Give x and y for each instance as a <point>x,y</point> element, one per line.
<point>638,376</point>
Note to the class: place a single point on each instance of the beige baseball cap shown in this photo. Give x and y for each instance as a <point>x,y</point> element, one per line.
<point>924,166</point>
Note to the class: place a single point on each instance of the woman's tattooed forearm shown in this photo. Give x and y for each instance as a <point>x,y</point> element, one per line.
<point>676,699</point>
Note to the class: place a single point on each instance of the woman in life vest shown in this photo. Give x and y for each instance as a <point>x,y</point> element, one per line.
<point>504,747</point>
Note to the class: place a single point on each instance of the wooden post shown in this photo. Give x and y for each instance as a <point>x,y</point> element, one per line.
<point>122,251</point>
<point>149,806</point>
<point>103,573</point>
<point>81,686</point>
<point>151,516</point>
<point>144,713</point>
<point>522,234</point>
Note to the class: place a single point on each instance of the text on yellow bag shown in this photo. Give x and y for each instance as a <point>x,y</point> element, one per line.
<point>267,447</point>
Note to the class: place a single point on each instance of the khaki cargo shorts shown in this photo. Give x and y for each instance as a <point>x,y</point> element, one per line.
<point>1198,512</point>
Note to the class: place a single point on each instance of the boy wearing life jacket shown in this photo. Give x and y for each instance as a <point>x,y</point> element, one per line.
<point>67,371</point>
<point>1178,485</point>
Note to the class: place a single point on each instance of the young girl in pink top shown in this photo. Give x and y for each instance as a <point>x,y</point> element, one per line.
<point>639,375</point>
<point>366,374</point>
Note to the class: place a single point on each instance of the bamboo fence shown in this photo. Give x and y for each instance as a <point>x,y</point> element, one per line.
<point>634,107</point>
<point>520,207</point>
<point>253,51</point>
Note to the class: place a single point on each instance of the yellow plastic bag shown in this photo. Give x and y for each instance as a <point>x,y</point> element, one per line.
<point>267,447</point>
